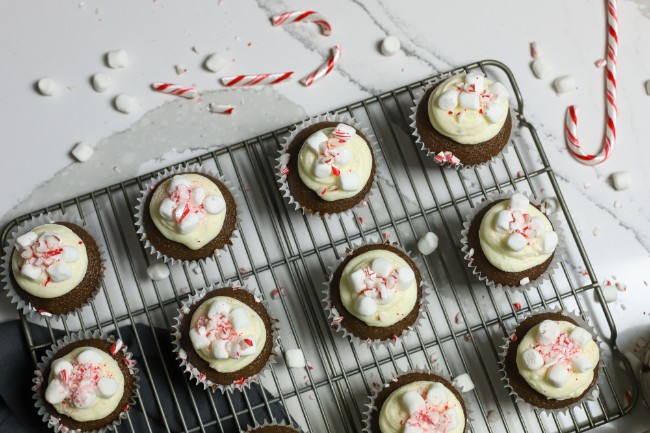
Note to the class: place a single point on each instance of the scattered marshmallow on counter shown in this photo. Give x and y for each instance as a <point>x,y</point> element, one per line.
<point>621,180</point>
<point>564,84</point>
<point>117,59</point>
<point>158,271</point>
<point>541,68</point>
<point>47,86</point>
<point>180,69</point>
<point>82,152</point>
<point>428,243</point>
<point>101,82</point>
<point>610,293</point>
<point>214,62</point>
<point>390,46</point>
<point>295,358</point>
<point>463,382</point>
<point>492,416</point>
<point>125,103</point>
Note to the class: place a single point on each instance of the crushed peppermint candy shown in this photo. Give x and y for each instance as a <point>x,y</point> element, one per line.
<point>44,258</point>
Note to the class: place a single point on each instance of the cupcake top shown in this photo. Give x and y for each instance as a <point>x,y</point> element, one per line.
<point>86,384</point>
<point>49,261</point>
<point>468,108</point>
<point>378,287</point>
<point>227,333</point>
<point>422,407</point>
<point>557,359</point>
<point>516,236</point>
<point>336,163</point>
<point>189,209</point>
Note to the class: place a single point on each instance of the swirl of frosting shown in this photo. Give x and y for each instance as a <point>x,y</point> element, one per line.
<point>336,162</point>
<point>378,287</point>
<point>422,407</point>
<point>557,359</point>
<point>227,333</point>
<point>189,209</point>
<point>49,261</point>
<point>516,236</point>
<point>85,384</point>
<point>468,108</point>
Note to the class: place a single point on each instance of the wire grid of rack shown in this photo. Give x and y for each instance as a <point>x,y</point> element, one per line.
<point>465,323</point>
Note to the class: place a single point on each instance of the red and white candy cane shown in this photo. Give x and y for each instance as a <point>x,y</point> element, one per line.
<point>307,16</point>
<point>571,123</point>
<point>325,68</point>
<point>176,90</point>
<point>253,80</point>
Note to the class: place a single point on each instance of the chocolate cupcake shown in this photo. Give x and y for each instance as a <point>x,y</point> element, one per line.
<point>416,401</point>
<point>509,242</point>
<point>327,165</point>
<point>186,215</point>
<point>375,294</point>
<point>224,337</point>
<point>463,121</point>
<point>551,360</point>
<point>85,383</point>
<point>52,266</point>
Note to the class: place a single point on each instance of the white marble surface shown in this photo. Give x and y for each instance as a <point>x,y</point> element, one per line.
<point>66,40</point>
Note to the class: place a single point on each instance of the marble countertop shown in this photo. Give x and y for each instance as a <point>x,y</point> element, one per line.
<point>67,41</point>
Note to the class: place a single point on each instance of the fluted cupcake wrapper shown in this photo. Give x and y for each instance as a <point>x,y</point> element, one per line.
<point>337,321</point>
<point>283,159</point>
<point>194,373</point>
<point>141,208</point>
<point>590,394</point>
<point>53,420</point>
<point>6,269</point>
<point>253,429</point>
<point>468,253</point>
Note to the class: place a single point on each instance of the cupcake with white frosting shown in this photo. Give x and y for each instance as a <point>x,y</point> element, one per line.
<point>327,165</point>
<point>187,214</point>
<point>464,120</point>
<point>510,242</point>
<point>416,402</point>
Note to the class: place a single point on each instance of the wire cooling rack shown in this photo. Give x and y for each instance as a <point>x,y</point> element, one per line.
<point>286,255</point>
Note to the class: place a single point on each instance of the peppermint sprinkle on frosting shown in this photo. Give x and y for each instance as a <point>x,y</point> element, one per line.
<point>429,412</point>
<point>45,255</point>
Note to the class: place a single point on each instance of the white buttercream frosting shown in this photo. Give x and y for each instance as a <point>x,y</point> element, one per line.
<point>49,261</point>
<point>516,236</point>
<point>85,384</point>
<point>422,407</point>
<point>336,163</point>
<point>468,108</point>
<point>227,333</point>
<point>557,359</point>
<point>378,287</point>
<point>188,208</point>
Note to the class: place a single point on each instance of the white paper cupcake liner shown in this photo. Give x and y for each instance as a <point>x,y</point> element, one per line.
<point>5,271</point>
<point>590,394</point>
<point>447,158</point>
<point>252,429</point>
<point>337,321</point>
<point>141,208</point>
<point>468,254</point>
<point>368,414</point>
<point>194,373</point>
<point>283,160</point>
<point>53,420</point>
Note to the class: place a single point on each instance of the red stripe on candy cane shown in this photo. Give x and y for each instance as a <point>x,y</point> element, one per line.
<point>176,90</point>
<point>305,16</point>
<point>253,80</point>
<point>325,68</point>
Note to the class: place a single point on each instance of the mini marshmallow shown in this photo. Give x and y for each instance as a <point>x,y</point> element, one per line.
<point>59,272</point>
<point>621,180</point>
<point>382,267</point>
<point>315,140</point>
<point>70,254</point>
<point>158,271</point>
<point>413,402</point>
<point>610,293</point>
<point>549,242</point>
<point>449,99</point>
<point>344,132</point>
<point>547,332</point>
<point>322,170</point>
<point>30,271</point>
<point>499,91</point>
<point>166,209</point>
<point>464,383</point>
<point>107,387</point>
<point>405,277</point>
<point>125,103</point>
<point>532,359</point>
<point>470,101</point>
<point>47,86</point>
<point>180,69</point>
<point>558,375</point>
<point>390,46</point>
<point>23,241</point>
<point>197,195</point>
<point>541,68</point>
<point>428,243</point>
<point>101,82</point>
<point>343,157</point>
<point>564,84</point>
<point>385,294</point>
<point>117,59</point>
<point>217,308</point>
<point>366,306</point>
<point>239,319</point>
<point>220,349</point>
<point>56,392</point>
<point>519,202</point>
<point>580,336</point>
<point>516,241</point>
<point>476,79</point>
<point>214,204</point>
<point>581,362</point>
<point>492,416</point>
<point>60,365</point>
<point>538,224</point>
<point>198,341</point>
<point>438,394</point>
<point>452,419</point>
<point>82,152</point>
<point>357,279</point>
<point>177,181</point>
<point>502,221</point>
<point>294,358</point>
<point>246,349</point>
<point>350,181</point>
<point>90,356</point>
<point>189,223</point>
<point>214,62</point>
<point>494,113</point>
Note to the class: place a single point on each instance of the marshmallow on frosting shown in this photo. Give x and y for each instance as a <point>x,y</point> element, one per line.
<point>45,255</point>
<point>334,156</point>
<point>474,95</point>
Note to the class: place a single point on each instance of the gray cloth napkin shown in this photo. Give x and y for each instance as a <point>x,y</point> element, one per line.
<point>18,413</point>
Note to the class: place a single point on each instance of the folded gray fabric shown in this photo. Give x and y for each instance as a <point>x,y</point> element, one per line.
<point>156,411</point>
